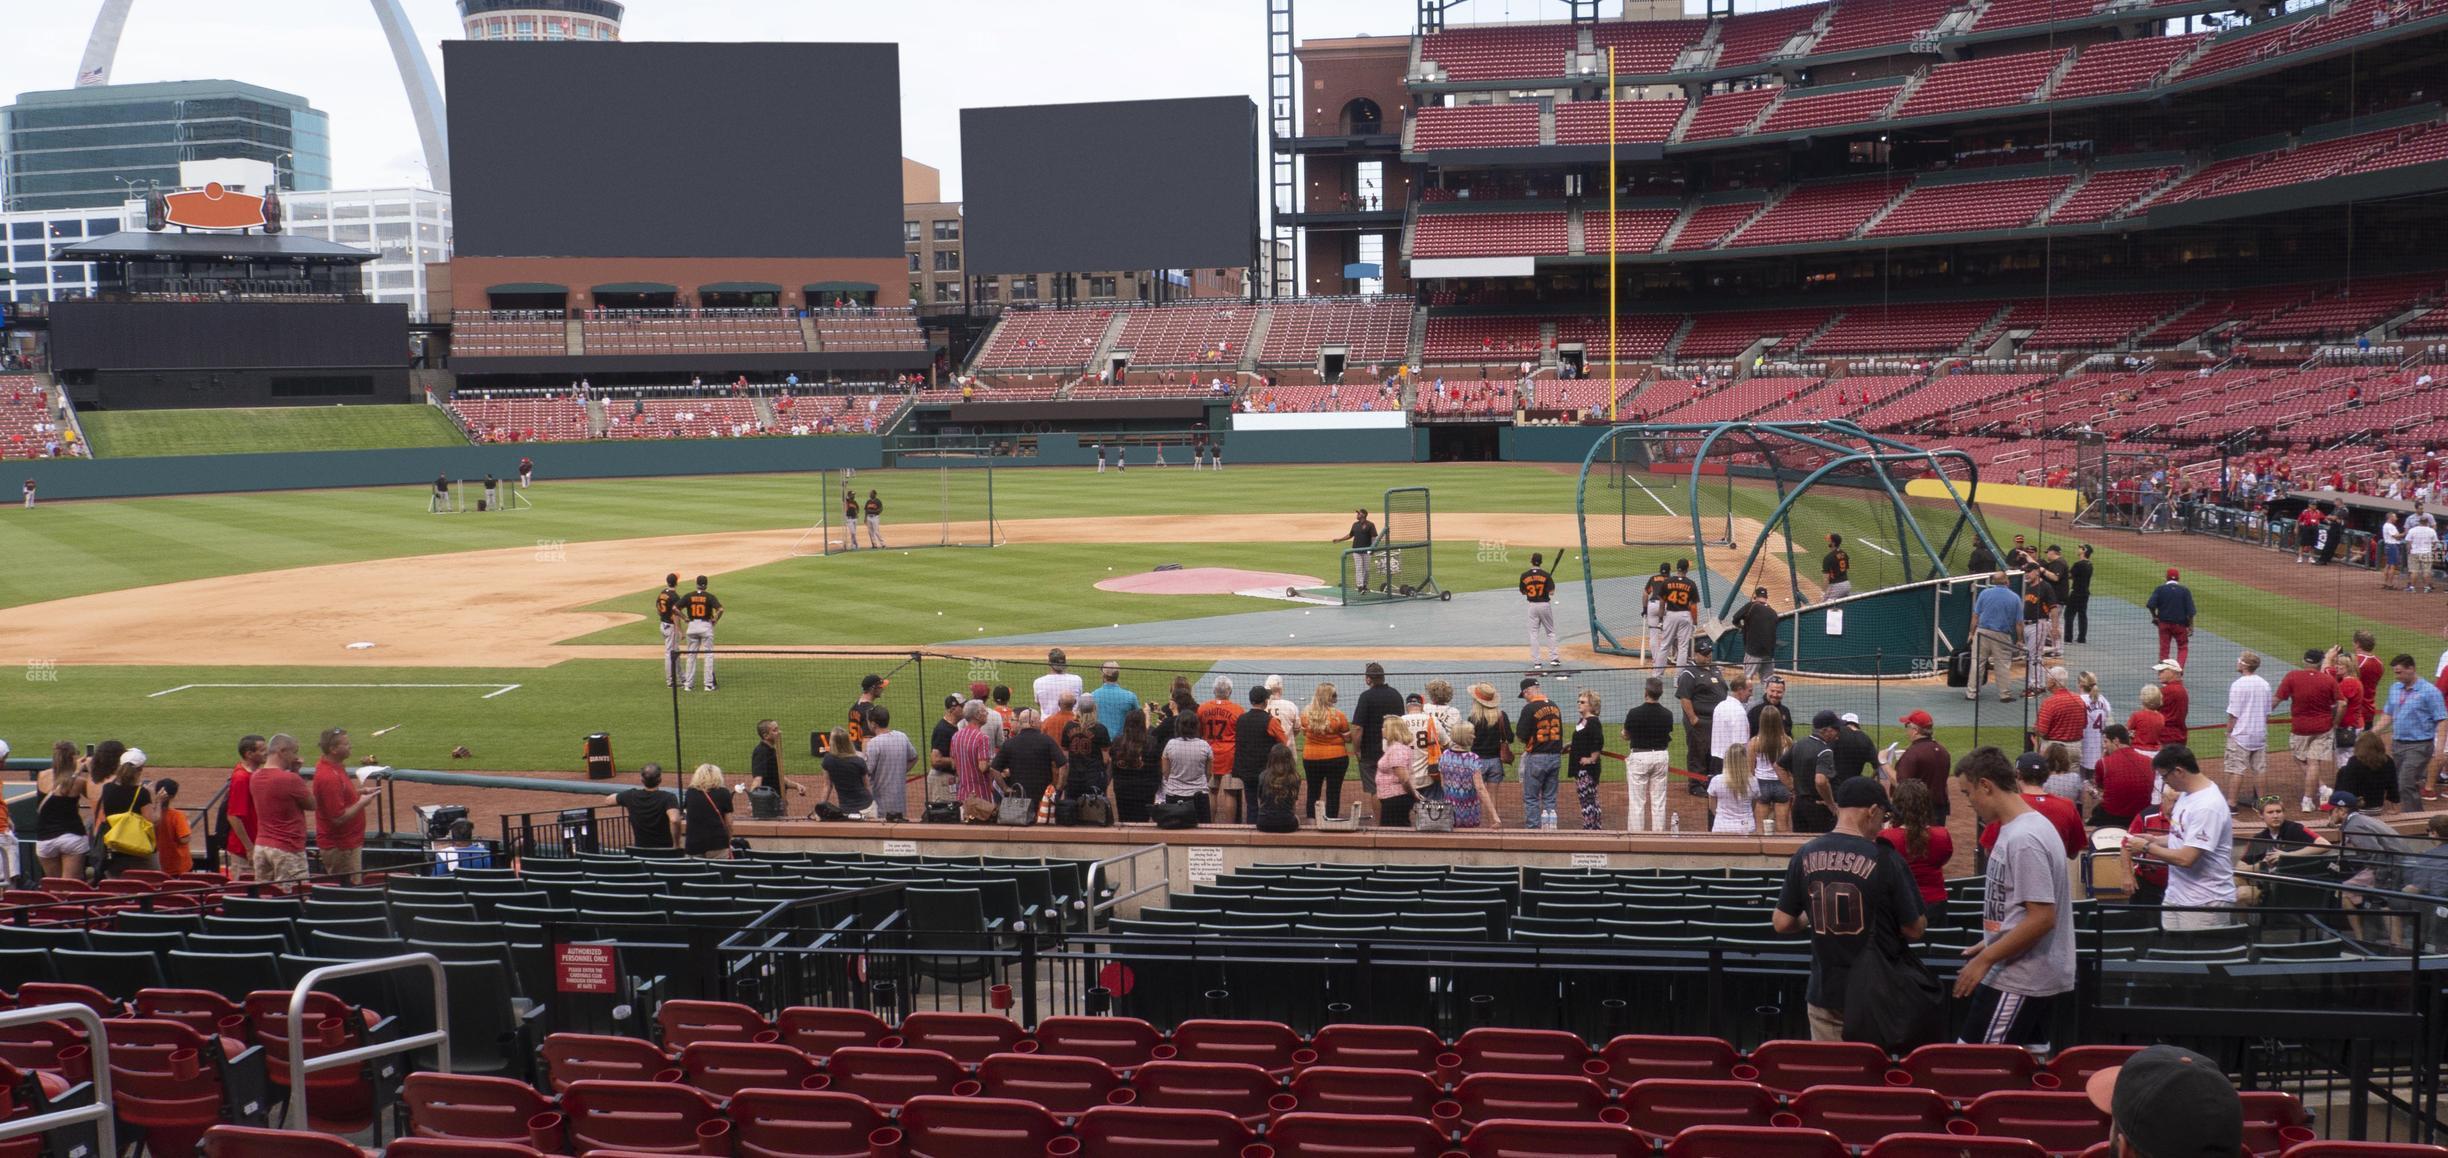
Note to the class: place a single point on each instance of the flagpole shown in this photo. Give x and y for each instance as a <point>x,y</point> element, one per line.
<point>1614,385</point>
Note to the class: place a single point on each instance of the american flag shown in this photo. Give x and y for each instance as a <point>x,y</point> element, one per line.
<point>89,78</point>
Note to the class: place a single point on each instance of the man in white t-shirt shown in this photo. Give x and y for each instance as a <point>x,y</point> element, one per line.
<point>1279,706</point>
<point>2198,848</point>
<point>1730,723</point>
<point>1051,686</point>
<point>2248,708</point>
<point>2392,548</point>
<point>2422,548</point>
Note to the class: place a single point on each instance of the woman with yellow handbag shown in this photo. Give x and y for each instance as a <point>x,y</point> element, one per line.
<point>125,813</point>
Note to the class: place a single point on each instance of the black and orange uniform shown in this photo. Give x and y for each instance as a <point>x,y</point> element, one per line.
<point>1536,585</point>
<point>1837,567</point>
<point>875,506</point>
<point>697,605</point>
<point>1679,594</point>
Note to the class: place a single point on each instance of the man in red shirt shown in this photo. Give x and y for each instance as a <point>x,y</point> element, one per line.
<point>282,801</point>
<point>2032,770</point>
<point>2125,780</point>
<point>339,807</point>
<point>2173,701</point>
<point>2313,694</point>
<point>241,806</point>
<point>2061,714</point>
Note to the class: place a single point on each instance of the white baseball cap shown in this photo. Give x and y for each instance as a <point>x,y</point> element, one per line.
<point>4,749</point>
<point>1850,718</point>
<point>133,756</point>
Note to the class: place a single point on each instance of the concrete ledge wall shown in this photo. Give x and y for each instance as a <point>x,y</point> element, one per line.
<point>1546,443</point>
<point>1240,446</point>
<point>308,470</point>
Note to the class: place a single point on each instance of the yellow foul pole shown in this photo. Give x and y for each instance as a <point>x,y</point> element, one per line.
<point>1614,386</point>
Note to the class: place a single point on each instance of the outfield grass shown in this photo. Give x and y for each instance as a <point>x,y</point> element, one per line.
<point>152,433</point>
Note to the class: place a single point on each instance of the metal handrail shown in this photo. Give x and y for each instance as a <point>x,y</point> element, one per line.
<point>300,1067</point>
<point>98,1045</point>
<point>1131,859</point>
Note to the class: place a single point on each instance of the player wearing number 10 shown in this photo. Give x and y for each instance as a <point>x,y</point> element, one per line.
<point>1842,887</point>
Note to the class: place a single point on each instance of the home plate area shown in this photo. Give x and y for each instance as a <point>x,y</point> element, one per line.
<point>1220,581</point>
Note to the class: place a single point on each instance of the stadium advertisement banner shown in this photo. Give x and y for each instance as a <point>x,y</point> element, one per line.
<point>1338,420</point>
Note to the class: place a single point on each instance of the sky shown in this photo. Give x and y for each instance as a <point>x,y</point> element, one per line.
<point>954,54</point>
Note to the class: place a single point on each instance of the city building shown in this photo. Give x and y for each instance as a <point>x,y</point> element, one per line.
<point>27,272</point>
<point>540,19</point>
<point>931,236</point>
<point>81,147</point>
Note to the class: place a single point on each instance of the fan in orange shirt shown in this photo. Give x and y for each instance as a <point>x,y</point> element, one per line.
<point>172,833</point>
<point>1215,720</point>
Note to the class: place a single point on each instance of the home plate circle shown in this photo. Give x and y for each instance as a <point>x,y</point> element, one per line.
<point>1209,581</point>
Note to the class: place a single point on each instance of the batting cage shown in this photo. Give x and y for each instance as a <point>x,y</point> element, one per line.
<point>2126,490</point>
<point>1401,564</point>
<point>930,506</point>
<point>1808,506</point>
<point>1655,501</point>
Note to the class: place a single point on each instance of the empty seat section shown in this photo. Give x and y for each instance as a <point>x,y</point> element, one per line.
<point>1044,339</point>
<point>1638,337</point>
<point>1585,122</point>
<point>683,418</point>
<point>1480,339</point>
<point>1645,46</point>
<point>1872,23</point>
<point>693,332</point>
<point>1728,114</point>
<point>2100,320</point>
<point>1724,335</point>
<point>2017,13</point>
<point>2108,191</point>
<point>1203,334</point>
<point>1971,205</point>
<point>880,329</point>
<point>1990,82</point>
<point>1489,235</point>
<point>1920,328</point>
<point>1369,329</point>
<point>2121,65</point>
<point>1751,37</point>
<point>1942,395</point>
<point>1496,52</point>
<point>507,333</point>
<point>1803,108</point>
<point>1709,224</point>
<point>521,419</point>
<point>1829,211</point>
<point>1505,126</point>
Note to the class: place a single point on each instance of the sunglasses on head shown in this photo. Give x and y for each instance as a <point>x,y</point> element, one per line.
<point>2266,801</point>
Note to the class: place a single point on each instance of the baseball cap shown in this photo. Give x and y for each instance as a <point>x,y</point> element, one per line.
<point>2171,1103</point>
<point>952,701</point>
<point>978,689</point>
<point>4,749</point>
<point>2344,801</point>
<point>2030,762</point>
<point>1704,646</point>
<point>872,682</point>
<point>1917,718</point>
<point>2314,655</point>
<point>1274,683</point>
<point>133,757</point>
<point>1529,682</point>
<point>2172,573</point>
<point>2168,665</point>
<point>1414,698</point>
<point>1759,593</point>
<point>1850,718</point>
<point>1864,792</point>
<point>1823,720</point>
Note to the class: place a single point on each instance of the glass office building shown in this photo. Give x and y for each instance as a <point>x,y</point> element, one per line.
<point>81,147</point>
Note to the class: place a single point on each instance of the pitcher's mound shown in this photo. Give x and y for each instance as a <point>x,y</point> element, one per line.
<point>1206,581</point>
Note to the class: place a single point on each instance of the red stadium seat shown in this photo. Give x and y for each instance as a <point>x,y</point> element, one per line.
<point>945,1127</point>
<point>1633,1057</point>
<point>818,1031</point>
<point>1492,1050</point>
<point>1120,1042</point>
<point>1532,1097</point>
<point>1861,1115</point>
<point>457,1148</point>
<point>2062,1121</point>
<point>802,1124</point>
<point>2328,1149</point>
<point>254,1142</point>
<point>685,1022</point>
<point>1150,1132</point>
<point>68,993</point>
<point>1236,1088</point>
<point>1664,1107</point>
<point>644,1117</point>
<point>724,1068</point>
<point>1504,1139</point>
<point>1755,1142</point>
<point>1963,1071</point>
<point>889,1077</point>
<point>1269,1045</point>
<point>1790,1067</point>
<point>201,1010</point>
<point>471,1107</point>
<point>2075,1064</point>
<point>166,1078</point>
<point>968,1037</point>
<point>1354,1136</point>
<point>1353,1090</point>
<point>1405,1047</point>
<point>1065,1085</point>
<point>1952,1146</point>
<point>574,1057</point>
<point>2273,1121</point>
<point>339,1100</point>
<point>39,1046</point>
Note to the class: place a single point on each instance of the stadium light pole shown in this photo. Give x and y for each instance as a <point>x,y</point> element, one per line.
<point>1614,386</point>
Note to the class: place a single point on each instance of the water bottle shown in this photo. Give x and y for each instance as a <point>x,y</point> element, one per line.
<point>1768,826</point>
<point>1547,819</point>
<point>1674,824</point>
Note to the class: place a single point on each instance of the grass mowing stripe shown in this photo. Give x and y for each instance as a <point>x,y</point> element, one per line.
<point>149,433</point>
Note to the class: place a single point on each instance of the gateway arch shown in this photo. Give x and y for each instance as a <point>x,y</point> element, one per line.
<point>416,74</point>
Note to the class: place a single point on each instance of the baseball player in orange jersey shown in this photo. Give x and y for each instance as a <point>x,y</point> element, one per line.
<point>1680,600</point>
<point>850,519</point>
<point>1537,587</point>
<point>667,605</point>
<point>702,611</point>
<point>875,520</point>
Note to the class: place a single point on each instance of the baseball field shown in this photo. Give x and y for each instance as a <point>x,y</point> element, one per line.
<point>177,624</point>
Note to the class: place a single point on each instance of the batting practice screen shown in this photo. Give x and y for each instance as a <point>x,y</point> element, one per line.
<point>1162,184</point>
<point>662,149</point>
<point>1402,563</point>
<point>940,506</point>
